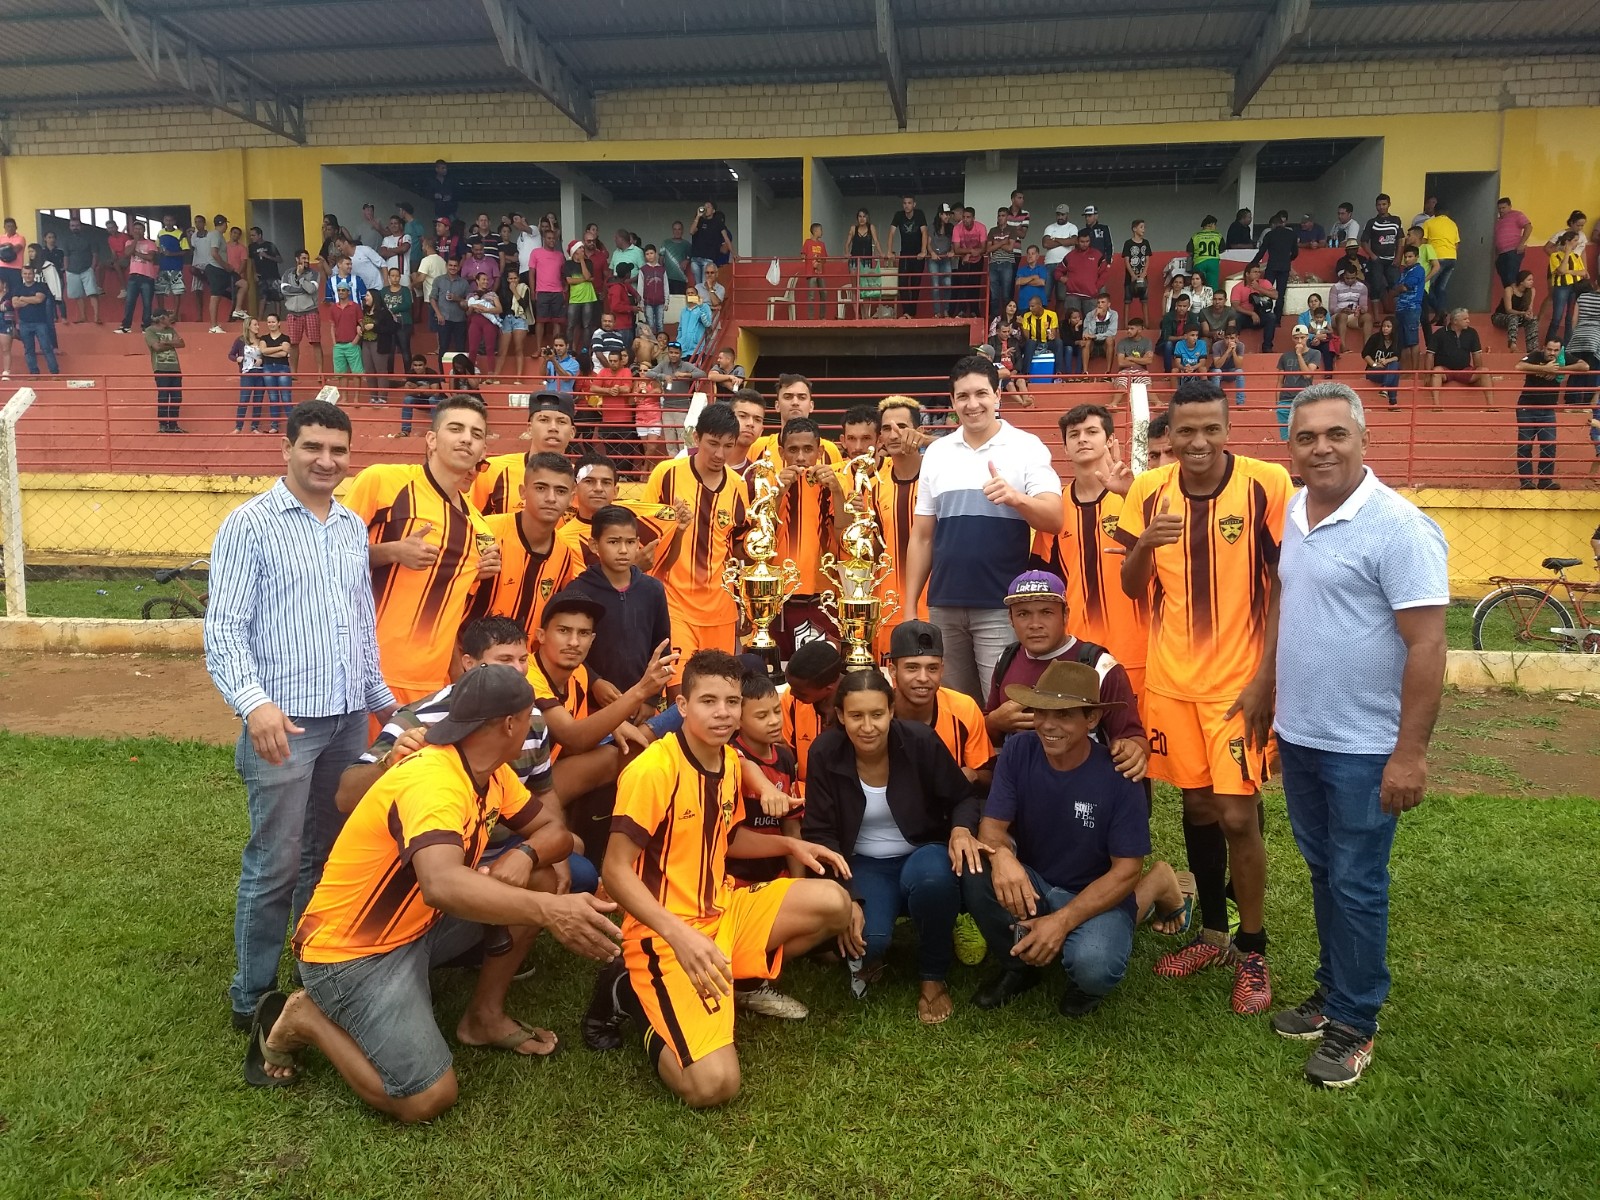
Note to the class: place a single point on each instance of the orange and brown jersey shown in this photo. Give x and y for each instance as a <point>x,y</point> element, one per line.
<point>1208,604</point>
<point>692,568</point>
<point>894,503</point>
<point>527,578</point>
<point>1087,556</point>
<point>657,525</point>
<point>805,531</point>
<point>680,816</point>
<point>368,901</point>
<point>958,721</point>
<point>574,697</point>
<point>801,724</point>
<point>498,485</point>
<point>419,612</point>
<point>766,446</point>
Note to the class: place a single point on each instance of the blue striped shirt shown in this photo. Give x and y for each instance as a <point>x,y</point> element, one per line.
<point>290,618</point>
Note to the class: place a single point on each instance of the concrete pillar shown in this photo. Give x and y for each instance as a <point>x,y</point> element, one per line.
<point>825,206</point>
<point>571,211</point>
<point>991,178</point>
<point>1247,185</point>
<point>744,234</point>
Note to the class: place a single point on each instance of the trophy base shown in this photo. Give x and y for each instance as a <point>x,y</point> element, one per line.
<point>768,655</point>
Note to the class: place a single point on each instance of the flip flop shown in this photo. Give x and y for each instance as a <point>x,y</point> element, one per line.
<point>259,1055</point>
<point>924,1013</point>
<point>1185,911</point>
<point>510,1041</point>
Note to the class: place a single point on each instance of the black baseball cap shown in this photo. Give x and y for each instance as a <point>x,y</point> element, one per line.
<point>913,639</point>
<point>571,601</point>
<point>554,401</point>
<point>483,694</point>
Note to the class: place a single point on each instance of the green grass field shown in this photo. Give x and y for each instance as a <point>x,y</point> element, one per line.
<point>121,1077</point>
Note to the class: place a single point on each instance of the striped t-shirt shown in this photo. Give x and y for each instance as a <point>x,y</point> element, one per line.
<point>532,766</point>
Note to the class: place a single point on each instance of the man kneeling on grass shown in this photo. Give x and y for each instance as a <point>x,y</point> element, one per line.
<point>1067,835</point>
<point>687,934</point>
<point>402,893</point>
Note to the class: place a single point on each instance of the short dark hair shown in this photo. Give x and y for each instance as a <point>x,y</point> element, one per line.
<point>757,686</point>
<point>545,460</point>
<point>316,412</point>
<point>748,395</point>
<point>710,664</point>
<point>1159,425</point>
<point>1078,414</point>
<point>1208,219</point>
<point>790,380</point>
<point>859,414</point>
<point>1503,200</point>
<point>595,459</point>
<point>975,364</point>
<point>800,425</point>
<point>478,635</point>
<point>817,661</point>
<point>870,680</point>
<point>612,516</point>
<point>718,420</point>
<point>458,400</point>
<point>1196,389</point>
<point>1384,196</point>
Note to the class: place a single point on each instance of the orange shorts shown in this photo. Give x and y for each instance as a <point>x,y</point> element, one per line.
<point>1136,681</point>
<point>687,638</point>
<point>1192,745</point>
<point>689,1026</point>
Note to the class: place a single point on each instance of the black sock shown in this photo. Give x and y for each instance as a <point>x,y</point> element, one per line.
<point>1251,943</point>
<point>1208,859</point>
<point>653,1046</point>
<point>630,1002</point>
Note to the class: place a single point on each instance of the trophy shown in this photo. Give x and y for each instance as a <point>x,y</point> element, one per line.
<point>856,606</point>
<point>758,588</point>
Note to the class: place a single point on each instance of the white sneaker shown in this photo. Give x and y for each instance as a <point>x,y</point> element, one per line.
<point>239,314</point>
<point>218,329</point>
<point>768,1001</point>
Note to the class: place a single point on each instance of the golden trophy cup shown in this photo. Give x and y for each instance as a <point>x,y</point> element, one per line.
<point>855,603</point>
<point>758,587</point>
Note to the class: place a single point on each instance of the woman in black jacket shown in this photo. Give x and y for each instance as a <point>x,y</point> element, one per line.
<point>888,796</point>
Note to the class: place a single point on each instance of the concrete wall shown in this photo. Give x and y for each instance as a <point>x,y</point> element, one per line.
<point>989,187</point>
<point>346,189</point>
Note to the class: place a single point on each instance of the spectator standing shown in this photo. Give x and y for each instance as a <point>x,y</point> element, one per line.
<point>1409,293</point>
<point>1136,269</point>
<point>1016,220</point>
<point>396,298</point>
<point>708,239</point>
<point>413,230</point>
<point>266,261</point>
<point>480,261</point>
<point>941,260</point>
<point>1382,237</point>
<point>366,264</point>
<point>908,236</point>
<point>1099,235</point>
<point>1512,229</point>
<point>1443,237</point>
<point>210,269</point>
<point>1280,246</point>
<point>1033,280</point>
<point>30,305</point>
<point>345,317</point>
<point>1575,223</point>
<point>968,239</point>
<point>395,249</point>
<point>546,271</point>
<point>675,253</point>
<point>694,322</point>
<point>814,264</point>
<point>449,297</point>
<point>238,256</point>
<point>865,251</point>
<point>80,258</point>
<point>300,288</point>
<point>1002,250</point>
<point>1542,372</point>
<point>1364,578</point>
<point>174,246</point>
<point>627,250</point>
<point>583,300</point>
<point>1241,234</point>
<point>1059,236</point>
<point>653,283</point>
<point>164,342</point>
<point>676,377</point>
<point>1569,278</point>
<point>516,310</point>
<point>1082,274</point>
<point>444,191</point>
<point>246,354</point>
<point>275,373</point>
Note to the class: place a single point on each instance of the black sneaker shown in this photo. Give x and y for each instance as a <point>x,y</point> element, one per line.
<point>1305,1021</point>
<point>1343,1055</point>
<point>602,1020</point>
<point>1005,987</point>
<point>1075,1002</point>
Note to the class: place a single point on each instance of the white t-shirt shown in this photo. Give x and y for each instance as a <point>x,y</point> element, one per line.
<point>392,242</point>
<point>431,268</point>
<point>880,835</point>
<point>527,243</point>
<point>1061,229</point>
<point>367,267</point>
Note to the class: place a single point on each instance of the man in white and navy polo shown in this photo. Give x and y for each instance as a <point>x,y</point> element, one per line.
<point>983,491</point>
<point>1361,654</point>
<point>291,643</point>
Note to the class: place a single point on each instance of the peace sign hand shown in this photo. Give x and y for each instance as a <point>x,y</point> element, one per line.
<point>1116,476</point>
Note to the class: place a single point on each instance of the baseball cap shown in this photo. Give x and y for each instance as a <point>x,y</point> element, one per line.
<point>912,639</point>
<point>674,346</point>
<point>945,207</point>
<point>1307,217</point>
<point>1063,685</point>
<point>1063,210</point>
<point>552,402</point>
<point>1090,210</point>
<point>1036,585</point>
<point>573,602</point>
<point>483,694</point>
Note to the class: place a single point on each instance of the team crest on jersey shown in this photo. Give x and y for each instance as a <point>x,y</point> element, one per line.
<point>666,513</point>
<point>546,586</point>
<point>1231,528</point>
<point>1108,524</point>
<point>724,518</point>
<point>1236,748</point>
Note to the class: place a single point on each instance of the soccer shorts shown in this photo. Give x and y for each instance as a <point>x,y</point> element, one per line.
<point>688,637</point>
<point>692,1027</point>
<point>1192,745</point>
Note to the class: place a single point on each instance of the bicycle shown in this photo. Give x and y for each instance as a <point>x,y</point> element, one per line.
<point>1524,614</point>
<point>190,603</point>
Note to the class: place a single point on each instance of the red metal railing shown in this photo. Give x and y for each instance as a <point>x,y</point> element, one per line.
<point>855,291</point>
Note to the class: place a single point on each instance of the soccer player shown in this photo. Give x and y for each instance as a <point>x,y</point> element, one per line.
<point>659,525</point>
<point>550,428</point>
<point>895,501</point>
<point>812,673</point>
<point>1207,532</point>
<point>535,564</point>
<point>428,547</point>
<point>809,498</point>
<point>794,401</point>
<point>858,431</point>
<point>1086,554</point>
<point>1158,443</point>
<point>687,935</point>
<point>916,668</point>
<point>704,616</point>
<point>751,410</point>
<point>401,893</point>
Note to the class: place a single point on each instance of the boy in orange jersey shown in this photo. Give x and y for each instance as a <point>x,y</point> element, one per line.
<point>704,616</point>
<point>794,401</point>
<point>687,934</point>
<point>1207,532</point>
<point>809,499</point>
<point>1086,554</point>
<point>900,440</point>
<point>498,485</point>
<point>535,564</point>
<point>660,525</point>
<point>428,548</point>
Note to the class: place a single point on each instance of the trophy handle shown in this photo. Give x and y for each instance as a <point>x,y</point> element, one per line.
<point>790,574</point>
<point>829,603</point>
<point>732,574</point>
<point>888,606</point>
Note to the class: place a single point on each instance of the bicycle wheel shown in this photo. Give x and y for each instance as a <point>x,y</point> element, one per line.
<point>166,608</point>
<point>1520,618</point>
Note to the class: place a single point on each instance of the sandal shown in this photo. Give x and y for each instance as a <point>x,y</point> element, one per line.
<point>1184,911</point>
<point>522,1033</point>
<point>925,1012</point>
<point>259,1055</point>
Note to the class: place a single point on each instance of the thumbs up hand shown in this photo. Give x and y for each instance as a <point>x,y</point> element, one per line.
<point>416,552</point>
<point>998,491</point>
<point>1164,530</point>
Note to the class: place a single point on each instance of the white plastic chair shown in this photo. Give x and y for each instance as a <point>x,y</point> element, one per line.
<point>785,298</point>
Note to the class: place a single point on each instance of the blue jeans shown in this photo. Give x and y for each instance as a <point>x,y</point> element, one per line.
<point>939,285</point>
<point>1095,954</point>
<point>920,884</point>
<point>140,287</point>
<point>1001,276</point>
<point>252,390</point>
<point>1231,378</point>
<point>275,377</point>
<point>293,822</point>
<point>1561,313</point>
<point>1280,283</point>
<point>697,267</point>
<point>36,340</point>
<point>655,316</point>
<point>1438,298</point>
<point>1345,838</point>
<point>1389,380</point>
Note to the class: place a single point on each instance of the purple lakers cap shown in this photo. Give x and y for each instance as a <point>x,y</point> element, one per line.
<point>1036,585</point>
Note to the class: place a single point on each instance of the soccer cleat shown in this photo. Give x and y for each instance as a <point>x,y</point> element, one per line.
<point>1304,1022</point>
<point>1075,1002</point>
<point>1004,987</point>
<point>1208,948</point>
<point>1252,985</point>
<point>768,1001</point>
<point>1345,1053</point>
<point>602,1020</point>
<point>970,946</point>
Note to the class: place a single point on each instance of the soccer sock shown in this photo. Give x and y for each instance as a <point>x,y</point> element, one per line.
<point>653,1046</point>
<point>1251,943</point>
<point>1208,859</point>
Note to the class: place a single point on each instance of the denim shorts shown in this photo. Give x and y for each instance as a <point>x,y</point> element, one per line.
<point>1408,324</point>
<point>513,324</point>
<point>383,1002</point>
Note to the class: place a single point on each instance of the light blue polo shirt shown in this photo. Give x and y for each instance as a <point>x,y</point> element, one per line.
<point>1340,655</point>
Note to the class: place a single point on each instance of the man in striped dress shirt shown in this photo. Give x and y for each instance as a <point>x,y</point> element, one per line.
<point>291,643</point>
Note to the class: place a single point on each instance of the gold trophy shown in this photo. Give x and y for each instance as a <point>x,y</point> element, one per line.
<point>856,606</point>
<point>758,588</point>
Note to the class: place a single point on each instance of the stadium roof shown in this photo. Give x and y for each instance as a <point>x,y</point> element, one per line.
<point>261,59</point>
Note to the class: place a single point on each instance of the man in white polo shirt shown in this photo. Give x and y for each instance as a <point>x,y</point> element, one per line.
<point>1365,587</point>
<point>1058,237</point>
<point>983,490</point>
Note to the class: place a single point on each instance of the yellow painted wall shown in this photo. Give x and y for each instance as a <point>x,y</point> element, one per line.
<point>175,517</point>
<point>1550,164</point>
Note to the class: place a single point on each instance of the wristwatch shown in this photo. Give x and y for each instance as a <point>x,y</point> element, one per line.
<point>527,848</point>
